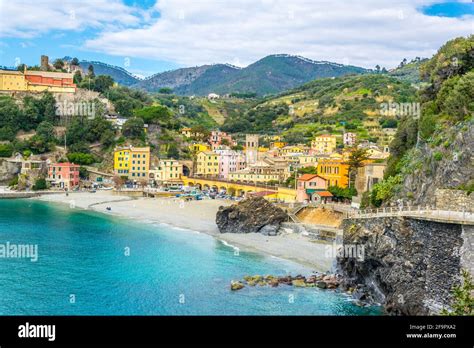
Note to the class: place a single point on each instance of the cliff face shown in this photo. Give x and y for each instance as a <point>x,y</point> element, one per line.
<point>409,265</point>
<point>447,166</point>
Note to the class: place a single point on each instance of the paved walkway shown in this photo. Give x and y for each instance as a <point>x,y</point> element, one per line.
<point>418,212</point>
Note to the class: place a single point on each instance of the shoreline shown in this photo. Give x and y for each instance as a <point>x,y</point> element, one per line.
<point>199,216</point>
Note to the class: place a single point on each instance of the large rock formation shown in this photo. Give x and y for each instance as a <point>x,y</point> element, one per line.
<point>408,265</point>
<point>254,214</point>
<point>8,170</point>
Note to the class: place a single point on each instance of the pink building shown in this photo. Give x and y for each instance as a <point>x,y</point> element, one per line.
<point>216,138</point>
<point>230,161</point>
<point>312,188</point>
<point>63,175</point>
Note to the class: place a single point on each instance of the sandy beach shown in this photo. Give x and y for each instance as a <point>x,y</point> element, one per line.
<point>199,216</point>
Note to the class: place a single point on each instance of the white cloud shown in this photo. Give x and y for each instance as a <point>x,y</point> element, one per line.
<point>194,32</point>
<point>29,19</point>
<point>365,33</point>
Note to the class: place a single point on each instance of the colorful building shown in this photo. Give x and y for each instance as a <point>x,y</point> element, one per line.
<point>168,170</point>
<point>277,144</point>
<point>293,149</point>
<point>217,138</point>
<point>263,171</point>
<point>230,161</point>
<point>247,176</point>
<point>132,162</point>
<point>36,81</point>
<point>335,171</point>
<point>199,147</point>
<point>207,164</point>
<point>312,188</point>
<point>349,139</point>
<point>324,144</point>
<point>63,175</point>
<point>12,80</point>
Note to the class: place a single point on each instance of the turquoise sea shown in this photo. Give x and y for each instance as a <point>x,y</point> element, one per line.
<point>83,269</point>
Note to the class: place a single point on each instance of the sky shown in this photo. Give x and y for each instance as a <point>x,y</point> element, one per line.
<point>151,36</point>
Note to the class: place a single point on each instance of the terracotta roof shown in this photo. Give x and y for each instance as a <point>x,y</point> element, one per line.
<point>308,177</point>
<point>324,193</point>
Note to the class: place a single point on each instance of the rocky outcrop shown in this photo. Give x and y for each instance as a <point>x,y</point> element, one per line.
<point>254,214</point>
<point>452,169</point>
<point>8,170</point>
<point>408,265</point>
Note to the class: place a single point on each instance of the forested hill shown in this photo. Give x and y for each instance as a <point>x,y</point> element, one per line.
<point>272,74</point>
<point>120,75</point>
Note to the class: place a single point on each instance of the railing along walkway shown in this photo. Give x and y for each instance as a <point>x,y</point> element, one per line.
<point>461,216</point>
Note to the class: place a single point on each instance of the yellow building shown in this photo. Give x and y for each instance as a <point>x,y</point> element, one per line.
<point>335,171</point>
<point>196,148</point>
<point>292,149</point>
<point>207,163</point>
<point>245,176</point>
<point>278,144</point>
<point>307,161</point>
<point>11,80</point>
<point>167,170</point>
<point>133,162</point>
<point>324,144</point>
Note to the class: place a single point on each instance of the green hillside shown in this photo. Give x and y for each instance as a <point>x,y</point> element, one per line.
<point>270,75</point>
<point>435,150</point>
<point>331,105</point>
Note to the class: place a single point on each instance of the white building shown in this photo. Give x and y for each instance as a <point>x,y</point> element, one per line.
<point>349,139</point>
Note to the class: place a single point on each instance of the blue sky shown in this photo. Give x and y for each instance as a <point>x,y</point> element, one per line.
<point>155,36</point>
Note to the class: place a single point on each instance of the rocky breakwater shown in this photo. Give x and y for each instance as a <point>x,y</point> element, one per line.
<point>324,281</point>
<point>408,265</point>
<point>254,214</point>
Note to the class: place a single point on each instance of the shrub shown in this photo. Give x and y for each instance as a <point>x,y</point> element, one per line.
<point>81,158</point>
<point>463,301</point>
<point>6,150</point>
<point>438,156</point>
<point>13,182</point>
<point>385,189</point>
<point>40,184</point>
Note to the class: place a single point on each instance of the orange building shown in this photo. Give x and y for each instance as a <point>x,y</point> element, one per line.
<point>335,171</point>
<point>40,80</point>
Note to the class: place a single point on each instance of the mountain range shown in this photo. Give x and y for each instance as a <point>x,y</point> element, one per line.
<point>269,75</point>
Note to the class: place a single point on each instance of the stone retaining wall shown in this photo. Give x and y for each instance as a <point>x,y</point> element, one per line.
<point>453,199</point>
